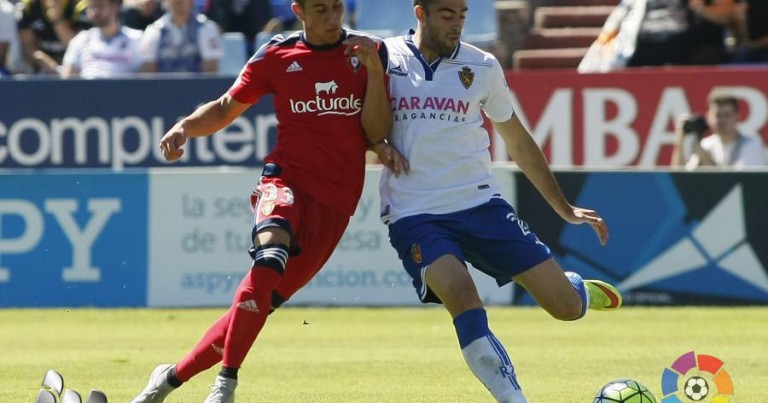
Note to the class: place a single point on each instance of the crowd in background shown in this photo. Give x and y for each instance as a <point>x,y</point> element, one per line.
<point>147,36</point>
<point>680,32</point>
<point>109,38</point>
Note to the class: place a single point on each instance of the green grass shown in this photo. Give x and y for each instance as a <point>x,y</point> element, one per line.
<point>380,355</point>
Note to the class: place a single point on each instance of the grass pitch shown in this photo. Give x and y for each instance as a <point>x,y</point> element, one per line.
<point>393,355</point>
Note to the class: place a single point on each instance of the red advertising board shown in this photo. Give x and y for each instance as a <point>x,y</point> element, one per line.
<point>627,118</point>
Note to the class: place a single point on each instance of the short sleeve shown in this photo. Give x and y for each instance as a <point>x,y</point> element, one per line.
<point>74,53</point>
<point>7,22</point>
<point>498,104</point>
<point>253,81</point>
<point>134,43</point>
<point>150,40</point>
<point>209,41</point>
<point>753,153</point>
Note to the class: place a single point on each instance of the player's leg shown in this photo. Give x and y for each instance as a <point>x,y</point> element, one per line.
<point>553,291</point>
<point>274,277</point>
<point>565,295</point>
<point>450,281</point>
<point>277,213</point>
<point>432,256</point>
<point>319,240</point>
<point>504,247</point>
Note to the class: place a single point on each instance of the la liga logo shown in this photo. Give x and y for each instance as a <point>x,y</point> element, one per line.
<point>696,378</point>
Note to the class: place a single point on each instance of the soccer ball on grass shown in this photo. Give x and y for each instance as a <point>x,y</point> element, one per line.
<point>624,391</point>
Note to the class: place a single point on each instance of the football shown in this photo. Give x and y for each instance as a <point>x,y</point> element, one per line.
<point>696,388</point>
<point>624,391</point>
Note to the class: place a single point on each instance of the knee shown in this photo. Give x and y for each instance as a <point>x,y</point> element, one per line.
<point>567,310</point>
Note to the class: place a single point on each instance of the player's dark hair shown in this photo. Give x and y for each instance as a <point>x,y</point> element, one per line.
<point>300,2</point>
<point>721,99</point>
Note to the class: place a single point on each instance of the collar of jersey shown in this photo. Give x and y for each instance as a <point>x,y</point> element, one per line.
<point>324,47</point>
<point>429,69</point>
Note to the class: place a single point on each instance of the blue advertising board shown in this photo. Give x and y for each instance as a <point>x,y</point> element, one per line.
<point>73,240</point>
<point>117,124</point>
<point>676,238</point>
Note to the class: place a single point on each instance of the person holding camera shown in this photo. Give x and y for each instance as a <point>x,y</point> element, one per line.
<point>726,147</point>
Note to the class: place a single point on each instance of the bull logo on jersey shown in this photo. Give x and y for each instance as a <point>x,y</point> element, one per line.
<point>329,88</point>
<point>354,62</point>
<point>416,253</point>
<point>466,76</point>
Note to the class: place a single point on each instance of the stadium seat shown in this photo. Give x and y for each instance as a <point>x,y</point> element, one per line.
<point>547,58</point>
<point>554,38</point>
<point>234,53</point>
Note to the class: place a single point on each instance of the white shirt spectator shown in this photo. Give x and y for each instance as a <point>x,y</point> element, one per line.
<point>8,36</point>
<point>95,56</point>
<point>745,152</point>
<point>178,47</point>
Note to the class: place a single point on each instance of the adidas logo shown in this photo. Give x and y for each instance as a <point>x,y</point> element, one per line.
<point>293,67</point>
<point>217,349</point>
<point>398,71</point>
<point>249,306</point>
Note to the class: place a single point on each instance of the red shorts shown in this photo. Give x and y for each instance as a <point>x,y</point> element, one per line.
<point>315,229</point>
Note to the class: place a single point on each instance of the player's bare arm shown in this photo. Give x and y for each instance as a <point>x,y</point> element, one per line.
<point>204,121</point>
<point>528,156</point>
<point>376,116</point>
<point>391,158</point>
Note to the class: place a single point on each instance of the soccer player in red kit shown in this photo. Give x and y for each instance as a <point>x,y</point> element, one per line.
<point>330,98</point>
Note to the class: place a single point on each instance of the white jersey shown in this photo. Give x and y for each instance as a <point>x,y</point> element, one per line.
<point>208,38</point>
<point>746,152</point>
<point>95,56</point>
<point>438,128</point>
<point>7,21</point>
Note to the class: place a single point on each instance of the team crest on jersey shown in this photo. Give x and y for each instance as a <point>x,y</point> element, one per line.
<point>267,207</point>
<point>416,253</point>
<point>466,76</point>
<point>354,62</point>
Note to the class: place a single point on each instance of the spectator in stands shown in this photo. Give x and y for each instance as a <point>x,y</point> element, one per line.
<point>106,50</point>
<point>45,29</point>
<point>248,17</point>
<point>751,17</point>
<point>182,40</point>
<point>726,147</point>
<point>658,33</point>
<point>7,34</point>
<point>141,13</point>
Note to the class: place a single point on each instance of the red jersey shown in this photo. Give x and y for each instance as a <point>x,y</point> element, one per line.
<point>318,99</point>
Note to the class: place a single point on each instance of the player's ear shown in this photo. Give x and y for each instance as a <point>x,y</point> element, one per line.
<point>297,11</point>
<point>421,14</point>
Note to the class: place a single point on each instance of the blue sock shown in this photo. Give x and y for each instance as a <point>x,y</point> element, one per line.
<point>578,285</point>
<point>487,357</point>
<point>471,325</point>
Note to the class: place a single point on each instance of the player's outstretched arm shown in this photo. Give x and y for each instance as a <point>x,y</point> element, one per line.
<point>204,121</point>
<point>528,156</point>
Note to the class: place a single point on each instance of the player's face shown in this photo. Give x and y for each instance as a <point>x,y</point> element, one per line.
<point>323,20</point>
<point>181,8</point>
<point>102,12</point>
<point>723,118</point>
<point>441,24</point>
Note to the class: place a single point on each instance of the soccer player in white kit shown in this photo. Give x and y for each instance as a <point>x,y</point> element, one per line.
<point>442,205</point>
<point>107,50</point>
